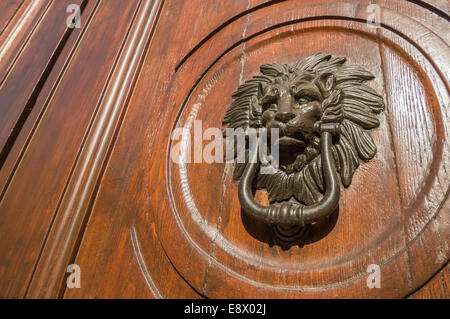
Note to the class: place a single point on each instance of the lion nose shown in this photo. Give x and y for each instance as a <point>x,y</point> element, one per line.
<point>284,116</point>
<point>284,111</point>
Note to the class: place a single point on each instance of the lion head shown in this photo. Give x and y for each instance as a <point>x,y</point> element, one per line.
<point>296,98</point>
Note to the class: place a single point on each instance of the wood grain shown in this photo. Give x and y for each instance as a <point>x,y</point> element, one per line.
<point>42,164</point>
<point>18,32</point>
<point>74,204</point>
<point>162,270</point>
<point>18,96</point>
<point>422,162</point>
<point>436,288</point>
<point>206,279</point>
<point>8,10</point>
<point>86,176</point>
<point>222,228</point>
<point>42,100</point>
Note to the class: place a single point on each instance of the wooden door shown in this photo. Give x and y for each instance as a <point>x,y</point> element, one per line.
<point>87,113</point>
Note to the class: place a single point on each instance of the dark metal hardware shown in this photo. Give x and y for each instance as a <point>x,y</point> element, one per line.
<point>322,110</point>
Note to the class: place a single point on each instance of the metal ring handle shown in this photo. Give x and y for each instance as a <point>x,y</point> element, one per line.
<point>289,216</point>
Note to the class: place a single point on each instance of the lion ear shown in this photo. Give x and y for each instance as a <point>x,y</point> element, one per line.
<point>326,82</point>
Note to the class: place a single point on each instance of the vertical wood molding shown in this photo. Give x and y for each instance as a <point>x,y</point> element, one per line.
<point>43,99</point>
<point>48,38</point>
<point>73,212</point>
<point>8,10</point>
<point>19,30</point>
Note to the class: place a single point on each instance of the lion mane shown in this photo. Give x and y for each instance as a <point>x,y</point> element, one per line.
<point>352,104</point>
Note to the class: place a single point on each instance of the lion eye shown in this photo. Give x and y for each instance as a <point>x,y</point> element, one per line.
<point>302,100</point>
<point>269,106</point>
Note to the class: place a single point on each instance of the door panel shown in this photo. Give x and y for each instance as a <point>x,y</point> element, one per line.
<point>435,288</point>
<point>88,178</point>
<point>53,147</point>
<point>232,255</point>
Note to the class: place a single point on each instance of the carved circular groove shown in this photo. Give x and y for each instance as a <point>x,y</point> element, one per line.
<point>213,232</point>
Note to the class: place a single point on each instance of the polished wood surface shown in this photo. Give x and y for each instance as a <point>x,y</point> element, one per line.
<point>436,288</point>
<point>86,178</point>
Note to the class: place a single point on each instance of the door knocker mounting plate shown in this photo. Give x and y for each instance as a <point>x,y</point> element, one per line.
<point>315,114</point>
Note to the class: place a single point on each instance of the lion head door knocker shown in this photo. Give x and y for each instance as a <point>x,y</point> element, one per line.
<point>323,111</point>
